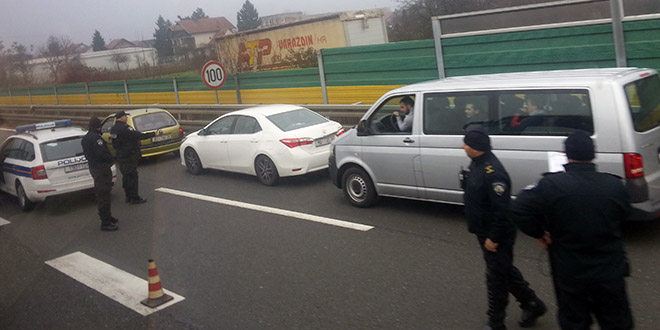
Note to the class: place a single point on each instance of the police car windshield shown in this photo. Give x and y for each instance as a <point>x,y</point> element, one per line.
<point>152,121</point>
<point>61,149</point>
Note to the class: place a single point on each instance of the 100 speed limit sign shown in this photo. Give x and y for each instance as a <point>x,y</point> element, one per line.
<point>213,74</point>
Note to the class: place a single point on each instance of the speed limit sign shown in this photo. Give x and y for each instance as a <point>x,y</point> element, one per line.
<point>213,74</point>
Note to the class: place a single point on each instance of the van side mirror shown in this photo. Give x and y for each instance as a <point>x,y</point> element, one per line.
<point>363,128</point>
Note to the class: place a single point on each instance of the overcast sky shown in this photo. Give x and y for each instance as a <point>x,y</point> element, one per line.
<point>30,22</point>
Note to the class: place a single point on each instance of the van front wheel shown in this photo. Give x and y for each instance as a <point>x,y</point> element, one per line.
<point>358,187</point>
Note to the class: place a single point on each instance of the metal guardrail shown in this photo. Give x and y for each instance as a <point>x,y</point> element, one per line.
<point>191,116</point>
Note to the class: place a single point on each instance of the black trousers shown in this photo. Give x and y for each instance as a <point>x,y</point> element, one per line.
<point>503,277</point>
<point>128,168</point>
<point>102,176</point>
<point>607,300</point>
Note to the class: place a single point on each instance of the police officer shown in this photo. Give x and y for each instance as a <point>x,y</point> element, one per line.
<point>100,162</point>
<point>126,141</point>
<point>577,215</point>
<point>487,197</point>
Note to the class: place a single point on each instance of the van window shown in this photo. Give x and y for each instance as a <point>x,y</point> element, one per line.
<point>644,102</point>
<point>383,120</point>
<point>453,113</point>
<point>544,112</point>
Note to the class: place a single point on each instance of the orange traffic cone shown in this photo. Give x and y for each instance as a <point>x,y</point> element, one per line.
<point>156,295</point>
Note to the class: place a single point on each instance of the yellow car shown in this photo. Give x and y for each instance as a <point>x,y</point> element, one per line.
<point>145,121</point>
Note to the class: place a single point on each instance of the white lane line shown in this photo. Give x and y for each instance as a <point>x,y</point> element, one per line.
<point>8,129</point>
<point>4,222</point>
<point>118,285</point>
<point>267,209</point>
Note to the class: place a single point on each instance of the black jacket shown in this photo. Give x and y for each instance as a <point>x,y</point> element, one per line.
<point>583,211</point>
<point>126,140</point>
<point>487,198</point>
<point>95,149</point>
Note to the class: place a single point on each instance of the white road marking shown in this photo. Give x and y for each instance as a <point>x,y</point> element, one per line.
<point>125,288</point>
<point>4,222</point>
<point>267,209</point>
<point>8,129</point>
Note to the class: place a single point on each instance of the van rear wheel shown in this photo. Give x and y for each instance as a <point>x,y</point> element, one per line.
<point>358,187</point>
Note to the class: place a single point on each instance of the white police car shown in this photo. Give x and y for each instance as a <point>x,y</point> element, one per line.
<point>43,160</point>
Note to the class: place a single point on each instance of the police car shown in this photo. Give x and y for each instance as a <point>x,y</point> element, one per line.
<point>43,160</point>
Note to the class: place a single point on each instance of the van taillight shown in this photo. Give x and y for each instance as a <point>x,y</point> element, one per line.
<point>39,173</point>
<point>633,165</point>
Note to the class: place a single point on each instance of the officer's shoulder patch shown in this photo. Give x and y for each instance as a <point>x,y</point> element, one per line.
<point>99,142</point>
<point>530,186</point>
<point>130,128</point>
<point>499,188</point>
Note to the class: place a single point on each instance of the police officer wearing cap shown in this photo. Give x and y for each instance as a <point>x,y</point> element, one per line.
<point>100,162</point>
<point>126,141</point>
<point>577,216</point>
<point>487,196</point>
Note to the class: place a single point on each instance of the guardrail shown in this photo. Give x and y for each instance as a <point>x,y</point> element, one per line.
<point>191,117</point>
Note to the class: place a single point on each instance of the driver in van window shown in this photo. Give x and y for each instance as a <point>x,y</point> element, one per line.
<point>405,119</point>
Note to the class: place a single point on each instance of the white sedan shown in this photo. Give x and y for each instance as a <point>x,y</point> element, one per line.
<point>270,141</point>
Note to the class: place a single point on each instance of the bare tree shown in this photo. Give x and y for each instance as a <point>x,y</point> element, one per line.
<point>120,59</point>
<point>58,53</point>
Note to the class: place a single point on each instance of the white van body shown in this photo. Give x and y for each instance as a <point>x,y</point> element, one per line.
<point>619,107</point>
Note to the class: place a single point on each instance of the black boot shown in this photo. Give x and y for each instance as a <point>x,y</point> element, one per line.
<point>109,227</point>
<point>531,312</point>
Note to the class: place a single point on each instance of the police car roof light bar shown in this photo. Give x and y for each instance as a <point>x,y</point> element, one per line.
<point>50,124</point>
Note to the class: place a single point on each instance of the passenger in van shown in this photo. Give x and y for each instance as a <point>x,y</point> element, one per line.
<point>404,119</point>
<point>486,201</point>
<point>531,114</point>
<point>474,113</point>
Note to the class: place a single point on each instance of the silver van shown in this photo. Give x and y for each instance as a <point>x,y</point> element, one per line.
<point>528,115</point>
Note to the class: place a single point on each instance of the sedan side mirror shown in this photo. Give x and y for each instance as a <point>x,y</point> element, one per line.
<point>363,128</point>
<point>202,131</point>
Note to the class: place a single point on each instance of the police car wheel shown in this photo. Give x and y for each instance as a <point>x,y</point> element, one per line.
<point>23,201</point>
<point>193,163</point>
<point>266,170</point>
<point>358,187</point>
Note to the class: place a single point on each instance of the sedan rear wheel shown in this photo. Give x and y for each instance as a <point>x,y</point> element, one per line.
<point>193,163</point>
<point>358,187</point>
<point>266,170</point>
<point>23,201</point>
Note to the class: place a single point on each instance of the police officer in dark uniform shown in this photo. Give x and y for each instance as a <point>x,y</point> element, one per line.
<point>577,215</point>
<point>487,199</point>
<point>100,163</point>
<point>126,141</point>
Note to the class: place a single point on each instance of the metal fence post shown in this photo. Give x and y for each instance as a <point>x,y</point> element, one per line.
<point>616,10</point>
<point>128,99</point>
<point>437,40</point>
<point>176,90</point>
<point>89,99</point>
<point>217,99</point>
<point>11,99</point>
<point>238,89</point>
<point>57,99</point>
<point>30,95</point>
<point>324,89</point>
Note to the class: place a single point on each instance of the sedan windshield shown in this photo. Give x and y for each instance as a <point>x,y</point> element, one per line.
<point>290,120</point>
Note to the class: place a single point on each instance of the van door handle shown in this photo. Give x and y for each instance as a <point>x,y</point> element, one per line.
<point>408,140</point>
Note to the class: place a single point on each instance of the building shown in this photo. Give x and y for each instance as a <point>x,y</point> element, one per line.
<point>197,33</point>
<point>274,47</point>
<point>280,19</point>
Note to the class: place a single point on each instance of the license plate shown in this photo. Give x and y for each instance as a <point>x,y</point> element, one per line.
<point>77,167</point>
<point>161,138</point>
<point>324,140</point>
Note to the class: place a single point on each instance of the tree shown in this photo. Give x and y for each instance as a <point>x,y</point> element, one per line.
<point>248,17</point>
<point>98,43</point>
<point>163,36</point>
<point>197,14</point>
<point>412,19</point>
<point>58,53</point>
<point>118,59</point>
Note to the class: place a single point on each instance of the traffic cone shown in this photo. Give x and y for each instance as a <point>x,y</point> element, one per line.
<point>156,295</point>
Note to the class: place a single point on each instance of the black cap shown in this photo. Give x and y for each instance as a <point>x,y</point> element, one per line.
<point>477,139</point>
<point>94,123</point>
<point>579,146</point>
<point>120,114</point>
